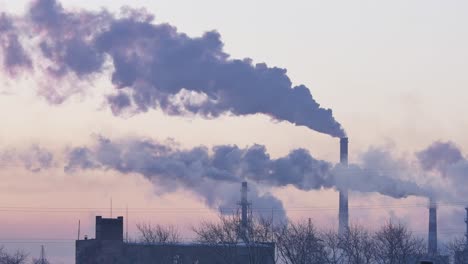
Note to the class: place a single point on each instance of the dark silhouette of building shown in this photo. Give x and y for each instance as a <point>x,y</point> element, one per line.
<point>109,229</point>
<point>109,247</point>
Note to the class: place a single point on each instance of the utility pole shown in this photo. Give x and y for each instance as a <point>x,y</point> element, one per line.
<point>126,225</point>
<point>111,207</point>
<point>79,229</point>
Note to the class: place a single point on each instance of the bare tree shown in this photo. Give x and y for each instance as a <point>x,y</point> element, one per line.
<point>158,234</point>
<point>357,245</point>
<point>458,249</point>
<point>300,243</point>
<point>395,244</point>
<point>263,230</point>
<point>40,261</point>
<point>223,235</point>
<point>17,257</point>
<point>262,235</point>
<point>333,250</point>
<point>228,239</point>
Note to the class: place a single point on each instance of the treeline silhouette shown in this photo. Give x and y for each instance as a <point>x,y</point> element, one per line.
<point>296,242</point>
<point>300,242</point>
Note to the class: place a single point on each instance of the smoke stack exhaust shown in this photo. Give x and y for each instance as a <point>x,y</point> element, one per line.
<point>244,212</point>
<point>343,215</point>
<point>432,238</point>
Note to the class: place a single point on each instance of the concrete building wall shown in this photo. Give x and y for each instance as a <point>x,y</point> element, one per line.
<point>98,251</point>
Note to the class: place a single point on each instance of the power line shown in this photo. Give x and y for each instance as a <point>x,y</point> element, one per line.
<point>39,209</point>
<point>65,241</point>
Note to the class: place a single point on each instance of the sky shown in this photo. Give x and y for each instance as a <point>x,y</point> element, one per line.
<point>393,72</point>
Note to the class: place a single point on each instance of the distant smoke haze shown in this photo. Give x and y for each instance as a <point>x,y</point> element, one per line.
<point>153,66</point>
<point>33,158</point>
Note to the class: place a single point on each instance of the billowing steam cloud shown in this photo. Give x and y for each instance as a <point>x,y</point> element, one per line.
<point>379,171</point>
<point>439,156</point>
<point>229,164</point>
<point>14,55</point>
<point>155,66</point>
<point>214,174</point>
<point>446,159</point>
<point>212,177</point>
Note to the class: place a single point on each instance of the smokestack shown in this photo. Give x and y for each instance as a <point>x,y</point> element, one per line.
<point>343,215</point>
<point>466,234</point>
<point>244,212</point>
<point>432,239</point>
<point>344,151</point>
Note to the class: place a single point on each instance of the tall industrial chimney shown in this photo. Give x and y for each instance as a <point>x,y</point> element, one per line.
<point>244,203</point>
<point>466,234</point>
<point>344,151</point>
<point>432,238</point>
<point>343,215</point>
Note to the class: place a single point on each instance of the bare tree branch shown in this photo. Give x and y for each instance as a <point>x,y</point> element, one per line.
<point>333,251</point>
<point>395,244</point>
<point>358,246</point>
<point>19,257</point>
<point>458,248</point>
<point>300,243</point>
<point>158,234</point>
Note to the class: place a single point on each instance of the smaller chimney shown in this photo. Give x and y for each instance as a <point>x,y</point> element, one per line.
<point>344,151</point>
<point>432,239</point>
<point>244,225</point>
<point>466,222</point>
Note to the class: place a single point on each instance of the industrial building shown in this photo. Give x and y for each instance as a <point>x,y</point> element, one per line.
<point>109,247</point>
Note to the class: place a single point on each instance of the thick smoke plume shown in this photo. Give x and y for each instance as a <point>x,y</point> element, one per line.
<point>447,160</point>
<point>199,168</point>
<point>214,174</point>
<point>439,156</point>
<point>155,66</point>
<point>15,58</point>
<point>214,178</point>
